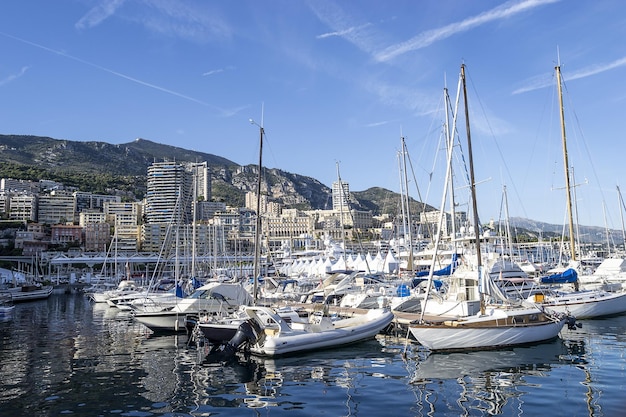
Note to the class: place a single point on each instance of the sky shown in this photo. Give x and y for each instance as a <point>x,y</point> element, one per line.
<point>336,85</point>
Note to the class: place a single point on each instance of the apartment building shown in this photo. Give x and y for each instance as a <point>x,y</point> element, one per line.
<point>169,197</point>
<point>58,207</point>
<point>125,218</point>
<point>22,206</point>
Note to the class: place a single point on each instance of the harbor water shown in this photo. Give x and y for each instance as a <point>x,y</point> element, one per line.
<point>67,356</point>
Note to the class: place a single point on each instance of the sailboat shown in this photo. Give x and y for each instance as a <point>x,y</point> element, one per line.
<point>498,324</point>
<point>586,303</point>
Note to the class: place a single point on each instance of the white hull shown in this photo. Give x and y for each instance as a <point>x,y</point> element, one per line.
<point>213,298</point>
<point>169,321</point>
<point>28,294</point>
<point>289,340</point>
<point>588,304</point>
<point>483,332</point>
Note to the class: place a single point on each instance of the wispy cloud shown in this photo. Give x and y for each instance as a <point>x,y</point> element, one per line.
<point>174,18</point>
<point>418,102</point>
<point>431,36</point>
<point>13,77</point>
<point>184,20</point>
<point>233,112</point>
<point>344,26</point>
<point>376,124</point>
<point>217,71</point>
<point>543,81</point>
<point>99,13</point>
<point>344,32</point>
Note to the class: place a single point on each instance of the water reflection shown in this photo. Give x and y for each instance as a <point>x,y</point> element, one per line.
<point>256,382</point>
<point>459,365</point>
<point>598,351</point>
<point>68,356</point>
<point>506,382</point>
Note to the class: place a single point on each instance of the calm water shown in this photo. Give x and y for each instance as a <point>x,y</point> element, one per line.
<point>67,356</point>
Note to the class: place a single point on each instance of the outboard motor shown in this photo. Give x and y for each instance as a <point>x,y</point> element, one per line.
<point>572,324</point>
<point>248,332</point>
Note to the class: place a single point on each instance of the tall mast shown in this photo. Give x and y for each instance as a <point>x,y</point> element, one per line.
<point>621,215</point>
<point>194,209</point>
<point>257,231</point>
<point>473,188</point>
<point>447,183</point>
<point>570,214</point>
<point>409,235</point>
<point>342,198</point>
<point>449,134</point>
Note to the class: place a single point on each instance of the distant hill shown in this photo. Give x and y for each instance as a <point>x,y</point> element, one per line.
<point>105,168</point>
<point>546,231</point>
<point>101,167</point>
<point>126,159</point>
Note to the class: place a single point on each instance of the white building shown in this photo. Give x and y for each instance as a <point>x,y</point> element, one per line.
<point>168,198</point>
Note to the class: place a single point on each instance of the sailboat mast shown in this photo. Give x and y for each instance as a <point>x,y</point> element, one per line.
<point>402,193</point>
<point>471,169</point>
<point>257,231</point>
<point>194,209</point>
<point>570,214</point>
<point>409,221</point>
<point>447,183</point>
<point>342,198</point>
<point>473,187</point>
<point>449,134</point>
<point>621,215</point>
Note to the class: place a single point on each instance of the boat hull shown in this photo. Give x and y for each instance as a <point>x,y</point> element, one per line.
<point>162,321</point>
<point>219,333</point>
<point>28,293</point>
<point>297,342</point>
<point>582,305</point>
<point>459,336</point>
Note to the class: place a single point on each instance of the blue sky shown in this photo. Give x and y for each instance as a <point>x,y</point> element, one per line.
<point>337,81</point>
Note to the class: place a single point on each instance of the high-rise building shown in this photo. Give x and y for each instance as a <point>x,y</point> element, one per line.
<point>201,181</point>
<point>168,198</point>
<point>341,196</point>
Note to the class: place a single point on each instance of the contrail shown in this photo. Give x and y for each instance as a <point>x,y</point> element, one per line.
<point>110,71</point>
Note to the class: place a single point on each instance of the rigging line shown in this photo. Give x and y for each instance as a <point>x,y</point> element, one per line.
<point>497,145</point>
<point>584,142</point>
<point>425,141</point>
<point>435,159</point>
<point>419,194</point>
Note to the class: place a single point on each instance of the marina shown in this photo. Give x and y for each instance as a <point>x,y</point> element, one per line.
<point>177,278</point>
<point>69,356</point>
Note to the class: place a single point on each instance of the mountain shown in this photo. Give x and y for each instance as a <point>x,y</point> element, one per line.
<point>104,168</point>
<point>126,159</point>
<point>546,231</point>
<point>101,167</point>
